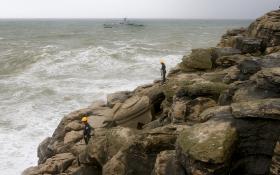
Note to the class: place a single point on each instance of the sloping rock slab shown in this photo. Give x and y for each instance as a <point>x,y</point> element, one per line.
<point>266,108</point>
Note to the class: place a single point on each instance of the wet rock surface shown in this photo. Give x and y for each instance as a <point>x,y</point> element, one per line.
<point>217,114</point>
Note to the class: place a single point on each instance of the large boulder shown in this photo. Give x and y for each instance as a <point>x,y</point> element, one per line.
<point>206,147</point>
<point>266,108</point>
<point>133,112</point>
<point>198,59</point>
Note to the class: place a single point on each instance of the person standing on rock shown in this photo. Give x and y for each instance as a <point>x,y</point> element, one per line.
<point>163,71</point>
<point>87,129</point>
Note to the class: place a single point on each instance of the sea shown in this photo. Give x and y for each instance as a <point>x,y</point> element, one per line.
<point>51,67</point>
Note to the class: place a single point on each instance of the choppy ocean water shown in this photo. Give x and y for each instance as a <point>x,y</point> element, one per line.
<point>49,68</point>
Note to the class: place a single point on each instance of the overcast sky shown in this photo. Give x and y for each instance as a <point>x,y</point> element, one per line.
<point>223,9</point>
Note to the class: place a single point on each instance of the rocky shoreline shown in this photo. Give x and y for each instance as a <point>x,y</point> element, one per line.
<point>218,113</point>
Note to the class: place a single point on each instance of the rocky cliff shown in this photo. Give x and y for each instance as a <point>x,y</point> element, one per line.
<point>218,113</point>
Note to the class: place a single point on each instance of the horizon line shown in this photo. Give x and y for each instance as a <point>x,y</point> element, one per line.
<point>82,18</point>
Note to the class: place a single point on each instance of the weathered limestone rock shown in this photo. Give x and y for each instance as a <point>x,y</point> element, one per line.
<point>229,39</point>
<point>216,112</point>
<point>178,112</point>
<point>266,108</point>
<point>54,165</point>
<point>73,136</point>
<point>198,59</point>
<point>73,126</point>
<point>195,107</point>
<point>270,61</point>
<point>117,97</point>
<point>226,51</point>
<point>231,60</point>
<point>206,147</point>
<point>233,74</point>
<point>267,28</point>
<point>166,163</point>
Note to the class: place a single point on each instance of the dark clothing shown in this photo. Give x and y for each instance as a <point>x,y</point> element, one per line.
<point>163,72</point>
<point>87,130</point>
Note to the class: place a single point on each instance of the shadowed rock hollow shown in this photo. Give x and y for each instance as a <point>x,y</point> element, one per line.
<point>217,114</point>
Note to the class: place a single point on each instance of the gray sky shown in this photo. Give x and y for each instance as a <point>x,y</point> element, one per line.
<point>223,9</point>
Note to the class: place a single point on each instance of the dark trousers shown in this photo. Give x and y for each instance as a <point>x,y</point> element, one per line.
<point>163,78</point>
<point>86,138</point>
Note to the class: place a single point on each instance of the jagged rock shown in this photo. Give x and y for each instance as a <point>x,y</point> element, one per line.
<point>195,107</point>
<point>267,28</point>
<point>266,108</point>
<point>166,163</point>
<point>275,164</point>
<point>268,79</point>
<point>249,45</point>
<point>198,59</point>
<point>54,165</point>
<point>117,97</point>
<point>206,147</point>
<point>73,136</point>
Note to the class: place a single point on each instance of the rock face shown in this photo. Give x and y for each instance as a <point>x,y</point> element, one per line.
<point>267,28</point>
<point>217,114</point>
